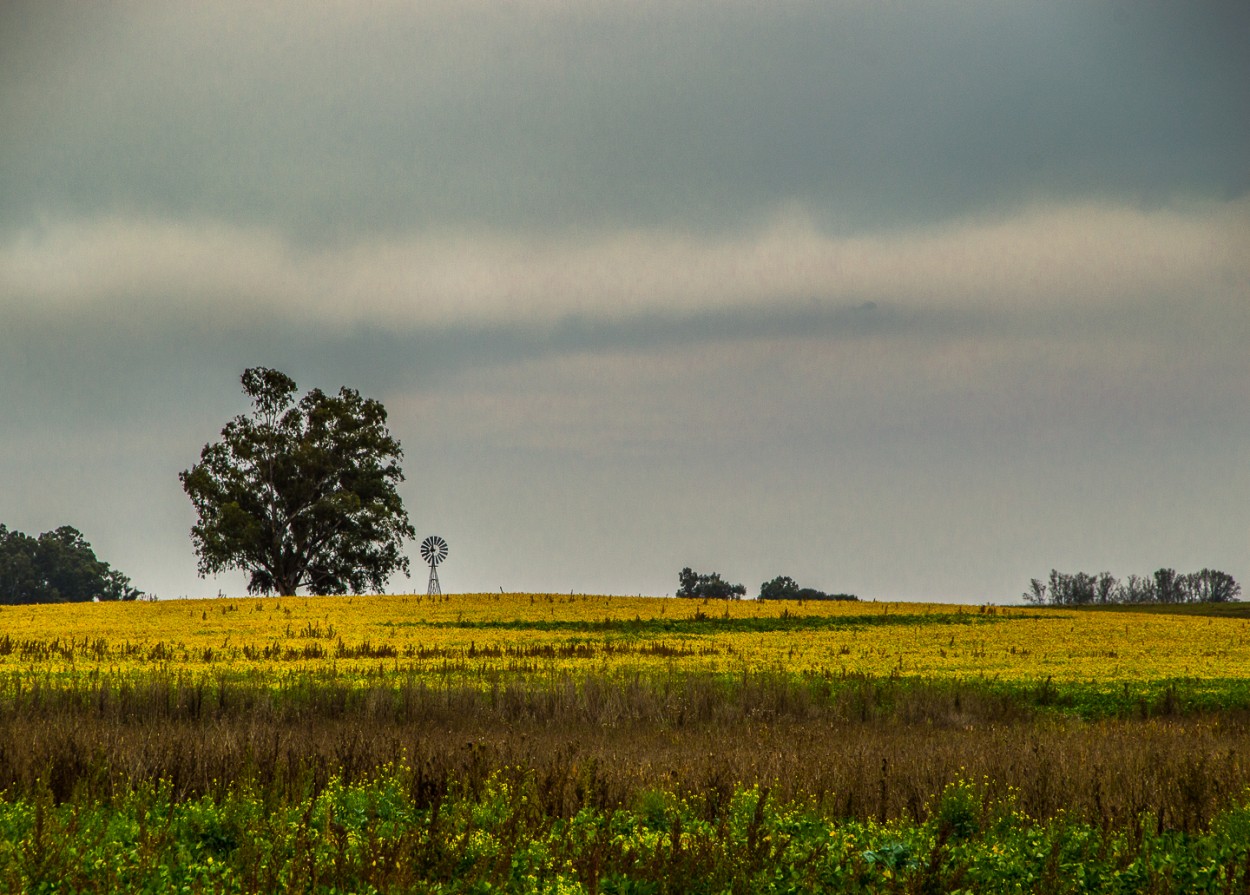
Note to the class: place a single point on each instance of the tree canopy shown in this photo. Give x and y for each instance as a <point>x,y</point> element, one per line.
<point>58,566</point>
<point>710,586</point>
<point>783,587</point>
<point>301,495</point>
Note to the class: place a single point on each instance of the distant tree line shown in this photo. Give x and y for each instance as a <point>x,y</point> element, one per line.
<point>712,587</point>
<point>783,587</point>
<point>56,567</point>
<point>1103,588</point>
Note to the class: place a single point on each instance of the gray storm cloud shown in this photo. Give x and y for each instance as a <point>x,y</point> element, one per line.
<point>909,299</point>
<point>325,121</point>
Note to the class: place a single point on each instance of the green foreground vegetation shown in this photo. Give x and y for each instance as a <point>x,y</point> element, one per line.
<point>685,783</point>
<point>373,837</point>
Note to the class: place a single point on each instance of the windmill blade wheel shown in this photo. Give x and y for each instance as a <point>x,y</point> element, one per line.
<point>433,550</point>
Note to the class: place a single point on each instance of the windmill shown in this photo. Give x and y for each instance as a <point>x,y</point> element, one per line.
<point>434,551</point>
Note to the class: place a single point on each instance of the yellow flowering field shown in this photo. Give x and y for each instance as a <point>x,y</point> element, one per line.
<point>480,636</point>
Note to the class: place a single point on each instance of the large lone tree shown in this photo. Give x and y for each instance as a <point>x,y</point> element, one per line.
<point>301,495</point>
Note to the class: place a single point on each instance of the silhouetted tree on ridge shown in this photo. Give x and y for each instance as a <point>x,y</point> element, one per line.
<point>58,566</point>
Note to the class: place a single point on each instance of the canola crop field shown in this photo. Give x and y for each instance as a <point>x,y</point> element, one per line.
<point>483,636</point>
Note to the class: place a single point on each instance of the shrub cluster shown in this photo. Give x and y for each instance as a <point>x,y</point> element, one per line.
<point>712,587</point>
<point>707,587</point>
<point>783,587</point>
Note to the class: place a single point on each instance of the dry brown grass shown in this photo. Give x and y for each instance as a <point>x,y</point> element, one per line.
<point>870,749</point>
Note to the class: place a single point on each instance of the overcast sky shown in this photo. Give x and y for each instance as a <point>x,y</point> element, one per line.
<point>912,300</point>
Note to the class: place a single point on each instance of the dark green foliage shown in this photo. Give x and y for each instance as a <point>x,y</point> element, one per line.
<point>707,587</point>
<point>57,567</point>
<point>808,593</point>
<point>301,495</point>
<point>783,587</point>
<point>1166,587</point>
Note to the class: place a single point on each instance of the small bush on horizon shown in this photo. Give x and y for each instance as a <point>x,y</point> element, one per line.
<point>783,587</point>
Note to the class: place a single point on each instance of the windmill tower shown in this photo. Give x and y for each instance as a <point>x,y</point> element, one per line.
<point>434,551</point>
